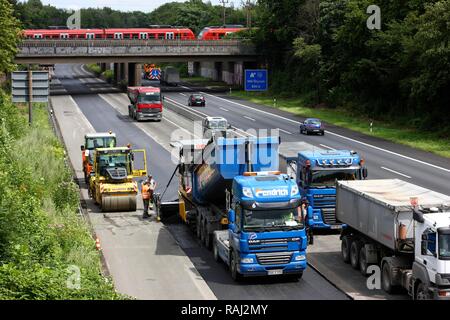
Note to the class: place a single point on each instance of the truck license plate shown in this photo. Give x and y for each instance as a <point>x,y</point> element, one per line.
<point>336,227</point>
<point>274,272</point>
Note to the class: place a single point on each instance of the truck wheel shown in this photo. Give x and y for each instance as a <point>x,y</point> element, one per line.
<point>206,237</point>
<point>345,248</point>
<point>354,254</point>
<point>216,251</point>
<point>386,281</point>
<point>363,262</point>
<point>234,267</point>
<point>297,277</point>
<point>422,292</point>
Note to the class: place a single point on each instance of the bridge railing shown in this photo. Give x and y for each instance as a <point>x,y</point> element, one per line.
<point>104,47</point>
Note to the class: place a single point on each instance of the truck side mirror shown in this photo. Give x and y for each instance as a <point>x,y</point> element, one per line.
<point>231,216</point>
<point>308,177</point>
<point>82,148</point>
<point>423,247</point>
<point>164,98</point>
<point>365,172</point>
<point>229,126</point>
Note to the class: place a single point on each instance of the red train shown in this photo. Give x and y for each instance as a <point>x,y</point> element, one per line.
<point>162,33</point>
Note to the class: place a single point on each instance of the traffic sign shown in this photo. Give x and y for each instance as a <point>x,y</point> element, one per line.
<point>256,80</point>
<point>20,84</point>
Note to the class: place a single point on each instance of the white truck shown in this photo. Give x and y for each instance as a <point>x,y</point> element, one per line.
<point>402,228</point>
<point>170,76</point>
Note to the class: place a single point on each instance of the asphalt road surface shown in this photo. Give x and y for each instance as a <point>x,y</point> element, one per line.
<point>103,116</point>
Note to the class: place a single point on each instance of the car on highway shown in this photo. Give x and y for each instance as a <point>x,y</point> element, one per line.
<point>312,125</point>
<point>196,99</point>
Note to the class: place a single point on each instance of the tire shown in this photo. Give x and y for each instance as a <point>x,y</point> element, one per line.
<point>345,248</point>
<point>386,282</point>
<point>235,275</point>
<point>422,292</point>
<point>354,254</point>
<point>206,237</point>
<point>216,251</point>
<point>297,277</point>
<point>363,265</point>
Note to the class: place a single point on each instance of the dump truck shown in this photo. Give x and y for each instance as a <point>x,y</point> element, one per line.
<point>236,201</point>
<point>315,171</point>
<point>170,76</point>
<point>401,228</point>
<point>146,103</point>
<point>112,186</point>
<point>92,141</point>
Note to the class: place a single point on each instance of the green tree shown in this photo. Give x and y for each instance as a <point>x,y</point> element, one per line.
<point>9,36</point>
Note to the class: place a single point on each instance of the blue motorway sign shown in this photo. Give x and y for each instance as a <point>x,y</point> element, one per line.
<point>256,80</point>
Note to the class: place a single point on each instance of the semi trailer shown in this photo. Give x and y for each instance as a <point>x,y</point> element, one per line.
<point>315,171</point>
<point>235,200</point>
<point>403,229</point>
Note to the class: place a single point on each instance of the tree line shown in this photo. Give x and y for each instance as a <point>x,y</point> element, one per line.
<point>324,48</point>
<point>194,14</point>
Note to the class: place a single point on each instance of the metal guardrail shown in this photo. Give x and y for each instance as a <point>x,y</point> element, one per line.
<point>130,42</point>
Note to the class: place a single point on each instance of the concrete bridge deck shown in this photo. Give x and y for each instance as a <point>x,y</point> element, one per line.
<point>138,51</point>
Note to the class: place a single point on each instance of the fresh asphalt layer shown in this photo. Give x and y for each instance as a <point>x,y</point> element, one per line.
<point>104,116</point>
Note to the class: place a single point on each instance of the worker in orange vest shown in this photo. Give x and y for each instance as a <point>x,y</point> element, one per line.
<point>148,187</point>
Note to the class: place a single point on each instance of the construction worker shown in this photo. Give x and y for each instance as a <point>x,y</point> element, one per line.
<point>148,187</point>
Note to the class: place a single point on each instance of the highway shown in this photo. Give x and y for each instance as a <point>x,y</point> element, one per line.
<point>104,108</point>
<point>96,103</point>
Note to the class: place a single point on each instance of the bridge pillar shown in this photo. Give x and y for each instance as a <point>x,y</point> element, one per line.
<point>124,71</point>
<point>134,74</point>
<point>116,78</point>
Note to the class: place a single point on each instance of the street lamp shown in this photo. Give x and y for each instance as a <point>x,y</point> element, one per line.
<point>224,3</point>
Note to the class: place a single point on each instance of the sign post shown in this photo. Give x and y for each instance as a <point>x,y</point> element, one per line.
<point>29,86</point>
<point>256,80</point>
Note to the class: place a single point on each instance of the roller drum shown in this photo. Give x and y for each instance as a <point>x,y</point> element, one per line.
<point>118,203</point>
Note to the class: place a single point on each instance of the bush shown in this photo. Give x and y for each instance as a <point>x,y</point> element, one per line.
<point>108,75</point>
<point>42,238</point>
<point>94,68</point>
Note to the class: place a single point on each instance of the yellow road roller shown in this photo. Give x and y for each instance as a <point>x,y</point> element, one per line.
<point>111,184</point>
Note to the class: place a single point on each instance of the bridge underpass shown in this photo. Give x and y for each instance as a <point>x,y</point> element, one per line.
<point>223,60</point>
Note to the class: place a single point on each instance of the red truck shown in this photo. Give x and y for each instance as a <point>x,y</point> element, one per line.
<point>146,103</point>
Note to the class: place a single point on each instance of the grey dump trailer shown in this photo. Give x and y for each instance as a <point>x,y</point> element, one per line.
<point>170,76</point>
<point>402,228</point>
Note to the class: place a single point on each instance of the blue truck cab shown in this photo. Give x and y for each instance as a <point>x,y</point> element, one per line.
<point>266,231</point>
<point>316,170</point>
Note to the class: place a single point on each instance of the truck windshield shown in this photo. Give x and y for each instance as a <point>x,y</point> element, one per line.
<point>220,125</point>
<point>271,220</point>
<point>444,246</point>
<point>149,97</point>
<point>102,142</point>
<point>329,177</point>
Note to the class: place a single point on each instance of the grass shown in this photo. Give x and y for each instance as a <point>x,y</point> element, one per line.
<point>206,82</point>
<point>42,237</point>
<point>427,141</point>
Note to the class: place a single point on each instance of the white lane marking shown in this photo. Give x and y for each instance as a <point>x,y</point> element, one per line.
<point>287,132</point>
<point>251,119</point>
<point>396,172</point>
<point>182,94</point>
<point>198,113</point>
<point>327,147</point>
<point>337,135</point>
<point>226,110</point>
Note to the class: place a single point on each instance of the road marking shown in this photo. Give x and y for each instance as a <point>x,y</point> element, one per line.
<point>337,135</point>
<point>226,110</point>
<point>251,119</point>
<point>396,172</point>
<point>327,147</point>
<point>182,94</point>
<point>284,131</point>
<point>196,113</point>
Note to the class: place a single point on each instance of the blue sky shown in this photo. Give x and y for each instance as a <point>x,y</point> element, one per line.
<point>123,5</point>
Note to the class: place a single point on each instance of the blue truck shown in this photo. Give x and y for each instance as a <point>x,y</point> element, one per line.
<point>316,170</point>
<point>237,202</point>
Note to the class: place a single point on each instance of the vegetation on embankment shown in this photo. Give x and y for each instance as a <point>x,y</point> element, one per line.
<point>331,51</point>
<point>43,240</point>
<point>397,131</point>
<point>94,68</point>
